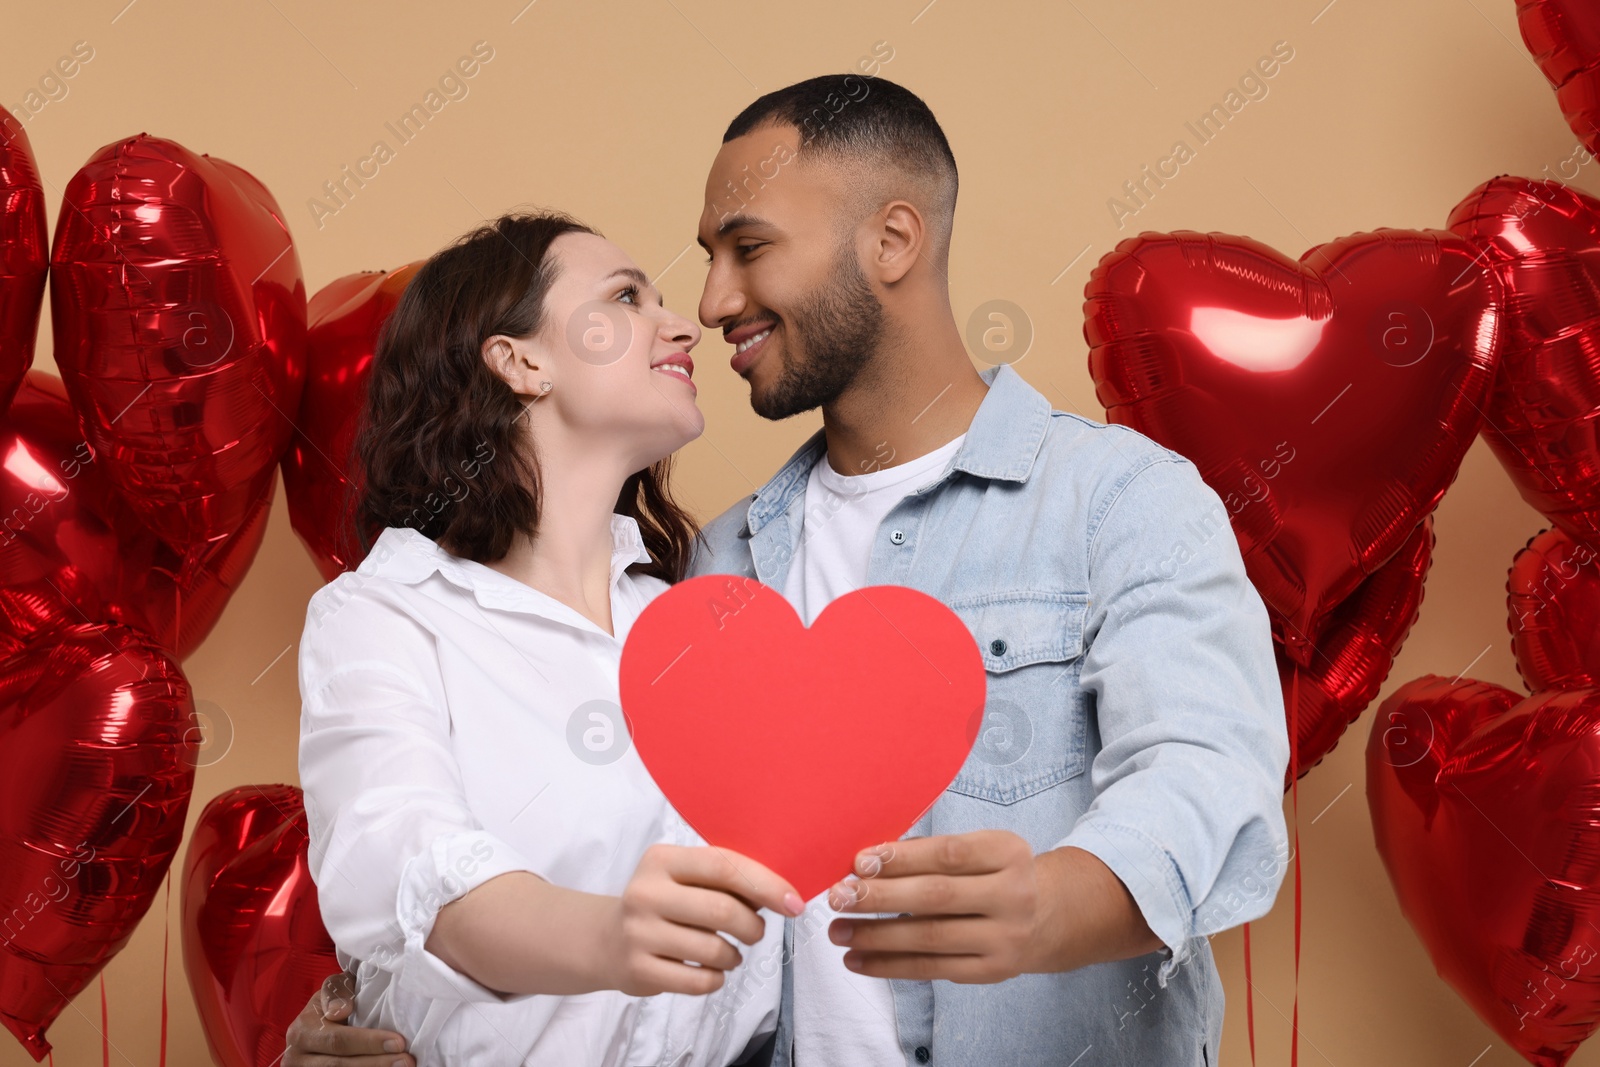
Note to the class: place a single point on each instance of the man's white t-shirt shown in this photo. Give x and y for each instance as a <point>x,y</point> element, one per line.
<point>841,1018</point>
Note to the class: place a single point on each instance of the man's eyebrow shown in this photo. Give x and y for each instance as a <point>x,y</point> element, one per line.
<point>734,222</point>
<point>731,223</point>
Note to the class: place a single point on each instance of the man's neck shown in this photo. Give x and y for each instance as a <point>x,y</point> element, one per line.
<point>901,408</point>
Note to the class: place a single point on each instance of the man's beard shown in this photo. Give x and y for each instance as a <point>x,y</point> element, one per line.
<point>832,335</point>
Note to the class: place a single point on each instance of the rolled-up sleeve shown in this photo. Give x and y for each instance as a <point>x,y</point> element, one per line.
<point>392,837</point>
<point>1188,784</point>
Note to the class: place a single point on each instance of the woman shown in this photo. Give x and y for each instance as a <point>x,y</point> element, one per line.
<point>491,857</point>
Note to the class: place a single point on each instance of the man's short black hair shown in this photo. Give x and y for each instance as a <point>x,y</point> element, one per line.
<point>868,120</point>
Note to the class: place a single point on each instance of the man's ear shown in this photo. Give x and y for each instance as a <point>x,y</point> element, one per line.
<point>900,240</point>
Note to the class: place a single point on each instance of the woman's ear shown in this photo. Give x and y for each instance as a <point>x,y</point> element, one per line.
<point>518,363</point>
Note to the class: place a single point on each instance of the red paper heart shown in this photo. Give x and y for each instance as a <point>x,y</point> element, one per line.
<point>179,316</point>
<point>254,945</point>
<point>1544,413</point>
<point>1564,37</point>
<point>1328,402</point>
<point>97,756</point>
<point>1553,601</point>
<point>1354,652</point>
<point>799,747</point>
<point>320,477</point>
<point>1485,807</point>
<point>24,254</point>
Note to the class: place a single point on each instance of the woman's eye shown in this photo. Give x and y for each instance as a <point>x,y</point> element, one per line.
<point>632,292</point>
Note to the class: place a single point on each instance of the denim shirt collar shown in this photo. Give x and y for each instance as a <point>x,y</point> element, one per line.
<point>1002,443</point>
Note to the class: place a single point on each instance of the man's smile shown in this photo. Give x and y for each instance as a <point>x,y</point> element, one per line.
<point>748,342</point>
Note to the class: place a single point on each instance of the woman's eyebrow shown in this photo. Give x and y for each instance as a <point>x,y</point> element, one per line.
<point>629,272</point>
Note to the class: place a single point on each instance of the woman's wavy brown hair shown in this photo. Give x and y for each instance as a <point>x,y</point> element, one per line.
<point>439,443</point>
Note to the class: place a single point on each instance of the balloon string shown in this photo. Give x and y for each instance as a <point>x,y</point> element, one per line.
<point>1294,759</point>
<point>166,932</point>
<point>105,1037</point>
<point>1249,998</point>
<point>166,929</point>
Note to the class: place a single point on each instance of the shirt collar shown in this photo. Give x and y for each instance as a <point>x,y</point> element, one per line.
<point>1002,442</point>
<point>406,555</point>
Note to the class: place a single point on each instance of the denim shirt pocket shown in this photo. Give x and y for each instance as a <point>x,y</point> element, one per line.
<point>1034,730</point>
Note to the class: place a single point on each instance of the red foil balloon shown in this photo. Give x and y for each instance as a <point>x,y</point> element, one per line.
<point>1564,37</point>
<point>1354,651</point>
<point>1544,414</point>
<point>1328,402</point>
<point>319,473</point>
<point>1485,806</point>
<point>179,317</point>
<point>72,550</point>
<point>97,754</point>
<point>24,254</point>
<point>1553,601</point>
<point>253,942</point>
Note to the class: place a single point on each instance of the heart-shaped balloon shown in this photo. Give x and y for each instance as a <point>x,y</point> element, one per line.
<point>320,477</point>
<point>1564,37</point>
<point>98,742</point>
<point>1328,402</point>
<point>179,316</point>
<point>1553,605</point>
<point>1354,651</point>
<point>254,945</point>
<point>1544,413</point>
<point>24,254</point>
<point>1485,806</point>
<point>72,549</point>
<point>797,746</point>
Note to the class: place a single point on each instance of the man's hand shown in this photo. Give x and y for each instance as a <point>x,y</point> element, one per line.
<point>320,1037</point>
<point>981,907</point>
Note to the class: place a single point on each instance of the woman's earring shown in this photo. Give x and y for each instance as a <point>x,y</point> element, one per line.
<point>544,387</point>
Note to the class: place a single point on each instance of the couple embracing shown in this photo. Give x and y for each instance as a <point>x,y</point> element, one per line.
<point>501,895</point>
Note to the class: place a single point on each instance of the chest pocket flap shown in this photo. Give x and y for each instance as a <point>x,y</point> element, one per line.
<point>1034,728</point>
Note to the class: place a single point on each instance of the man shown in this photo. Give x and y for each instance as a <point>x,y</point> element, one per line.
<point>1124,798</point>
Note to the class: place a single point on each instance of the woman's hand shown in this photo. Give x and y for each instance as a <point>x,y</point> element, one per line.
<point>673,911</point>
<point>319,1037</point>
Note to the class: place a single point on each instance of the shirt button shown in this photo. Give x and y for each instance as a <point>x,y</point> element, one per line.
<point>997,647</point>
<point>898,537</point>
<point>922,1054</point>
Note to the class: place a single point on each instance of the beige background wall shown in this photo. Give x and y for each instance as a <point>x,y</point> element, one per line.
<point>1386,116</point>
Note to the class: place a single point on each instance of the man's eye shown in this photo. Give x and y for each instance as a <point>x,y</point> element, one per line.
<point>742,249</point>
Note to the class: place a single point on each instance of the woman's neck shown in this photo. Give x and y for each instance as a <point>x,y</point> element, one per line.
<point>569,558</point>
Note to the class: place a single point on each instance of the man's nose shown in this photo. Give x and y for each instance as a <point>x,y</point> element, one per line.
<point>719,303</point>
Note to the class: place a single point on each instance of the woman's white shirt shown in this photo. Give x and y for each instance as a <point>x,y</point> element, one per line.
<point>457,724</point>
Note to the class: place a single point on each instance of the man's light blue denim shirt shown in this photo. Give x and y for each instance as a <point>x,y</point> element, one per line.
<point>1104,586</point>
